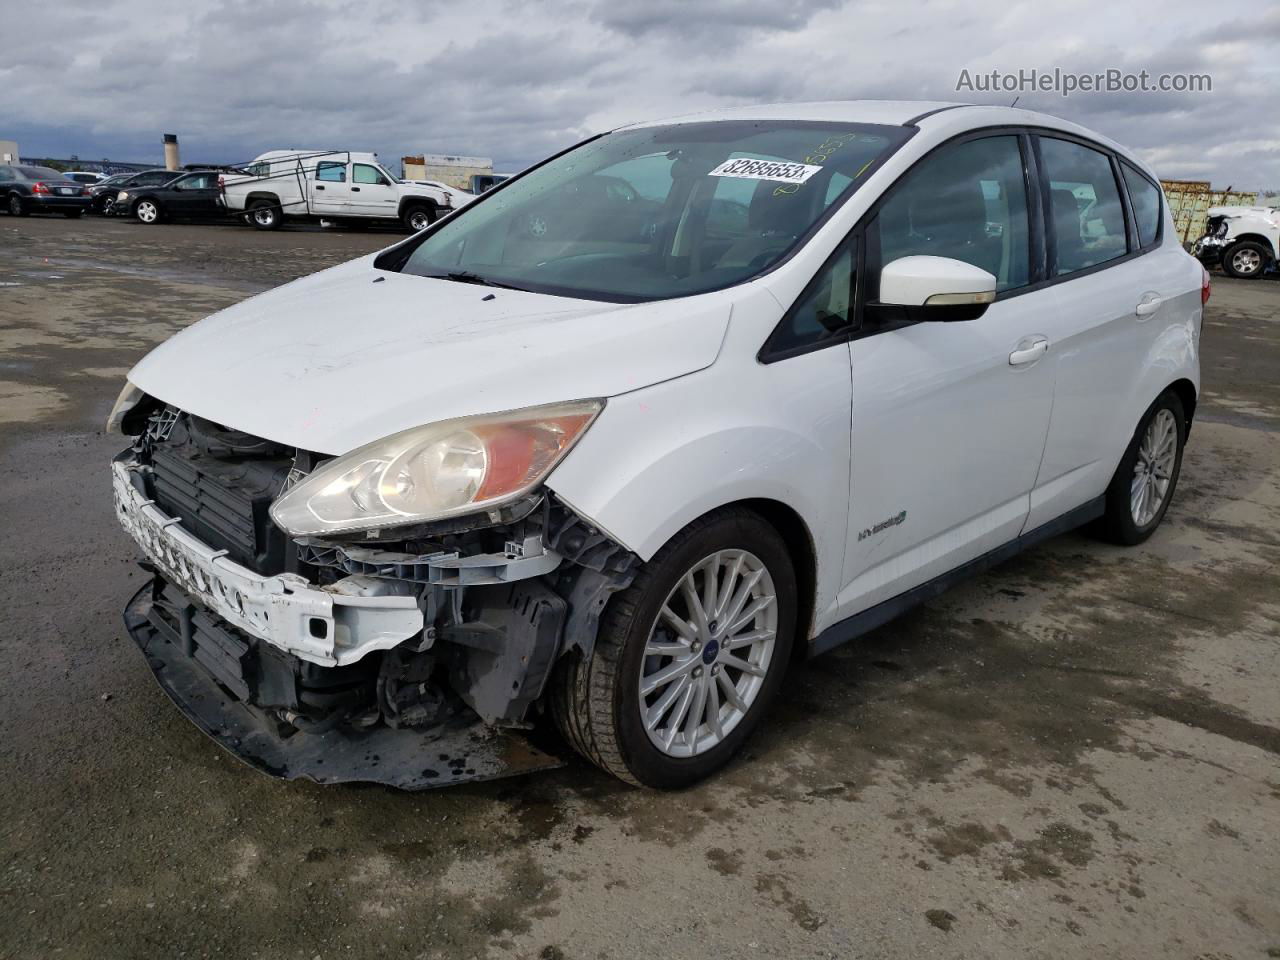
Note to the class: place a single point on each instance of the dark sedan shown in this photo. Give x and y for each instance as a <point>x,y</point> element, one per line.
<point>192,196</point>
<point>29,189</point>
<point>131,184</point>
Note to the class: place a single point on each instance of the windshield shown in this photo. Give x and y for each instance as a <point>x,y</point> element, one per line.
<point>656,212</point>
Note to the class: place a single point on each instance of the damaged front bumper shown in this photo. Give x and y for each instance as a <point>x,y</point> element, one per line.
<point>186,649</point>
<point>330,627</point>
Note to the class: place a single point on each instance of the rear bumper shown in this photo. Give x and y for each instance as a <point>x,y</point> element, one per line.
<point>405,758</point>
<point>54,204</point>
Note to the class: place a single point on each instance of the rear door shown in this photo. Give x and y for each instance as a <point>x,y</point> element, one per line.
<point>331,188</point>
<point>372,194</point>
<point>948,419</point>
<point>1108,307</point>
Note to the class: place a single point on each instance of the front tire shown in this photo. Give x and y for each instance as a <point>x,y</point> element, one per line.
<point>688,658</point>
<point>1144,483</point>
<point>146,211</point>
<point>419,217</point>
<point>1245,260</point>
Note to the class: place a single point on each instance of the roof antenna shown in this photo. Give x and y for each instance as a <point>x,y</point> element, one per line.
<point>1015,101</point>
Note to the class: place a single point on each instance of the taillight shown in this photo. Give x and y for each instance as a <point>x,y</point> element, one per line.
<point>39,188</point>
<point>222,184</point>
<point>84,192</point>
<point>1204,286</point>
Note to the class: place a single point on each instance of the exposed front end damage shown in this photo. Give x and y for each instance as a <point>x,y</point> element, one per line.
<point>414,662</point>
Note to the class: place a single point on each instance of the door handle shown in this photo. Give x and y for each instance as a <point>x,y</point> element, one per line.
<point>1148,305</point>
<point>1029,350</point>
<point>355,189</point>
<point>319,187</point>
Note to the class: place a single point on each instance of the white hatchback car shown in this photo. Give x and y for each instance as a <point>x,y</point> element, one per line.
<point>619,439</point>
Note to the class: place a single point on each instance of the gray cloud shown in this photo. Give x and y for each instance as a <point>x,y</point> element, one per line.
<point>517,80</point>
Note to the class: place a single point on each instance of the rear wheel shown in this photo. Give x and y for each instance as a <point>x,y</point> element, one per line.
<point>146,211</point>
<point>688,657</point>
<point>1245,260</point>
<point>419,217</point>
<point>16,207</point>
<point>1143,485</point>
<point>265,215</point>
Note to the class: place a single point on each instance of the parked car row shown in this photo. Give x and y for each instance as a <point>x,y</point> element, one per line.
<point>277,186</point>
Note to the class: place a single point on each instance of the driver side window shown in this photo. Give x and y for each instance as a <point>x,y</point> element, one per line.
<point>967,201</point>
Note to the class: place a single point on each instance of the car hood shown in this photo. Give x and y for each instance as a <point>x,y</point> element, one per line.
<point>353,354</point>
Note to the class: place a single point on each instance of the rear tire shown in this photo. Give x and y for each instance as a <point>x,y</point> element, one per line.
<point>265,215</point>
<point>598,703</point>
<point>1144,483</point>
<point>16,207</point>
<point>1245,260</point>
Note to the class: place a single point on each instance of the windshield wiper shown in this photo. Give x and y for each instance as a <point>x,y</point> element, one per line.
<point>465,276</point>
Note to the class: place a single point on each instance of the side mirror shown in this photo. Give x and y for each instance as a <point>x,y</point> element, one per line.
<point>934,288</point>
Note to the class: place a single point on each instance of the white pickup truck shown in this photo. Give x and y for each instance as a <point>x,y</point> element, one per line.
<point>336,186</point>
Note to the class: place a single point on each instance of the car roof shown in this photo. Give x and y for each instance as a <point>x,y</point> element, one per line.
<point>939,118</point>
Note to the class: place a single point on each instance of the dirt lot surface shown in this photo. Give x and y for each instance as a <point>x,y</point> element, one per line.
<point>1076,755</point>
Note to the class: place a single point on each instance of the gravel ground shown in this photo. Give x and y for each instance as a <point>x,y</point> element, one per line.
<point>1075,755</point>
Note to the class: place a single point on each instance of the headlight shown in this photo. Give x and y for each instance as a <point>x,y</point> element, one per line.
<point>122,195</point>
<point>129,398</point>
<point>439,470</point>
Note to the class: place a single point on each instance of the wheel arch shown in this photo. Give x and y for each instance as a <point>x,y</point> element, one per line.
<point>1259,238</point>
<point>796,535</point>
<point>257,195</point>
<point>1186,391</point>
<point>409,203</point>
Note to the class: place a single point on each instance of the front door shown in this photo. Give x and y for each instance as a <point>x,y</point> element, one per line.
<point>948,419</point>
<point>195,197</point>
<point>372,194</point>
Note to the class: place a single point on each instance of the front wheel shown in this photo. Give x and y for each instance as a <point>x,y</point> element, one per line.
<point>1143,485</point>
<point>687,658</point>
<point>1244,260</point>
<point>419,218</point>
<point>146,211</point>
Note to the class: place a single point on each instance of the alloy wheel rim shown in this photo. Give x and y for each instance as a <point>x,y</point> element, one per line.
<point>265,216</point>
<point>15,205</point>
<point>146,212</point>
<point>1153,471</point>
<point>1246,261</point>
<point>708,653</point>
<point>419,221</point>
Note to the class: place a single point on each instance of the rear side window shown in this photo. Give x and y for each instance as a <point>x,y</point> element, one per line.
<point>1086,215</point>
<point>967,201</point>
<point>1144,197</point>
<point>331,171</point>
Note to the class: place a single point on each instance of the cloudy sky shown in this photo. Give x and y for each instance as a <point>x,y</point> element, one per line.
<point>518,80</point>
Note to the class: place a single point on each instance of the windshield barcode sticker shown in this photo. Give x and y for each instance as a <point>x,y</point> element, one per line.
<point>746,168</point>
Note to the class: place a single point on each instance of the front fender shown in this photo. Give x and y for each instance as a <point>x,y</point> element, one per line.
<point>659,458</point>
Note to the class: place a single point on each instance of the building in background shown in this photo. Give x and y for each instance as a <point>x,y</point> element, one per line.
<point>452,171</point>
<point>8,151</point>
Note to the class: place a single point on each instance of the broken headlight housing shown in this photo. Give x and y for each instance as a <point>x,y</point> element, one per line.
<point>130,397</point>
<point>435,471</point>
